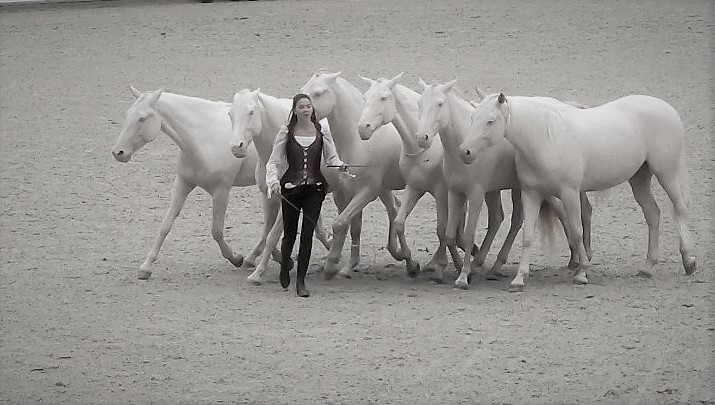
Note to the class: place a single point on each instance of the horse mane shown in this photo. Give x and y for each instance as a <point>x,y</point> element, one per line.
<point>532,110</point>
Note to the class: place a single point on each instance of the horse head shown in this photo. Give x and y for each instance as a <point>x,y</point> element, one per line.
<point>432,112</point>
<point>246,121</point>
<point>320,88</point>
<point>141,126</point>
<point>380,105</point>
<point>487,125</point>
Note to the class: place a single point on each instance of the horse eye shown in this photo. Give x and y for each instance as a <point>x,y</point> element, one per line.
<point>440,104</point>
<point>250,112</point>
<point>142,118</point>
<point>383,98</point>
<point>491,121</point>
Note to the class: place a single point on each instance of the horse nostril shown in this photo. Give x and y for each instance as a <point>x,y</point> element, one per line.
<point>426,137</point>
<point>240,145</point>
<point>469,152</point>
<point>120,153</point>
<point>367,125</point>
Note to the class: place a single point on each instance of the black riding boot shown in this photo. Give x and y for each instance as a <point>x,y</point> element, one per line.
<point>300,289</point>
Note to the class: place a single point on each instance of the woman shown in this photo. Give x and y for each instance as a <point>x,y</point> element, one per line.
<point>302,187</point>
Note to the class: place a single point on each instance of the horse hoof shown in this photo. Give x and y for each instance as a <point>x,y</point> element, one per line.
<point>516,288</point>
<point>143,274</point>
<point>413,270</point>
<point>461,284</point>
<point>345,274</point>
<point>237,260</point>
<point>580,279</point>
<point>437,278</point>
<point>253,280</point>
<point>329,274</point>
<point>690,267</point>
<point>644,274</point>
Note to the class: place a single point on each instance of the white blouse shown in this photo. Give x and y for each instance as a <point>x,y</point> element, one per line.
<point>278,159</point>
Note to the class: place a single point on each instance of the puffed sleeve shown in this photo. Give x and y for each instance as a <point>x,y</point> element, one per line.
<point>278,157</point>
<point>330,153</point>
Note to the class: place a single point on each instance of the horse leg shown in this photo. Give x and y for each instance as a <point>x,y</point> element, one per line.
<point>673,182</point>
<point>517,218</point>
<point>340,229</point>
<point>495,218</point>
<point>271,246</point>
<point>439,259</point>
<point>557,208</point>
<point>531,202</point>
<point>586,213</point>
<point>179,192</point>
<point>640,184</point>
<point>322,234</point>
<point>397,233</point>
<point>409,200</point>
<point>571,199</point>
<point>455,215</point>
<point>270,212</point>
<point>219,205</point>
<point>476,199</point>
<point>355,232</point>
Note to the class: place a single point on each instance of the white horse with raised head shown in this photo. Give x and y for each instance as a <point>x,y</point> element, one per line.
<point>202,131</point>
<point>563,151</point>
<point>375,164</point>
<point>256,119</point>
<point>443,111</point>
<point>387,101</point>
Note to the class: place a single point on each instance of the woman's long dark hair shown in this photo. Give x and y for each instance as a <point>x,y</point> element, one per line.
<point>293,119</point>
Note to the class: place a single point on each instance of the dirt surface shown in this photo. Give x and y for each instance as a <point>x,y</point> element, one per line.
<point>77,327</point>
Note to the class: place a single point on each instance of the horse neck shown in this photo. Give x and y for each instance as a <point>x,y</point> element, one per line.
<point>345,116</point>
<point>273,116</point>
<point>453,133</point>
<point>178,122</point>
<point>526,131</point>
<point>406,118</point>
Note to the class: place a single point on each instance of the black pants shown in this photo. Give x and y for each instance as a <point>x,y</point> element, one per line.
<point>309,199</point>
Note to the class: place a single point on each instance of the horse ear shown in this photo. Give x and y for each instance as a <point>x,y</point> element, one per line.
<point>502,98</point>
<point>335,75</point>
<point>155,97</point>
<point>396,79</point>
<point>135,92</point>
<point>255,92</point>
<point>448,86</point>
<point>423,84</point>
<point>481,94</point>
<point>367,80</point>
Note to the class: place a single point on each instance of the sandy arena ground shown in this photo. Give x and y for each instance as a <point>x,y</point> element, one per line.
<point>77,327</point>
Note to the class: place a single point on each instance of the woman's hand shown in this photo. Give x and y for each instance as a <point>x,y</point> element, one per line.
<point>274,189</point>
<point>343,168</point>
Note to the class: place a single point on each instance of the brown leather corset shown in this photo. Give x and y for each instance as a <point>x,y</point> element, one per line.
<point>303,163</point>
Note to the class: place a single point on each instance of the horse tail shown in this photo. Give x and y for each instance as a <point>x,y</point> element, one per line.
<point>546,227</point>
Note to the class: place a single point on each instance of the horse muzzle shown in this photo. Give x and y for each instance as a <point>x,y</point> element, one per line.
<point>239,150</point>
<point>467,155</point>
<point>366,131</point>
<point>121,156</point>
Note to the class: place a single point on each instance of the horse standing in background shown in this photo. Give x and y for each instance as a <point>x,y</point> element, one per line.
<point>443,111</point>
<point>563,151</point>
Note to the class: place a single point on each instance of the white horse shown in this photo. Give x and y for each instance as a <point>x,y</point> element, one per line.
<point>563,151</point>
<point>202,130</point>
<point>256,119</point>
<point>386,101</point>
<point>375,164</point>
<point>443,110</point>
